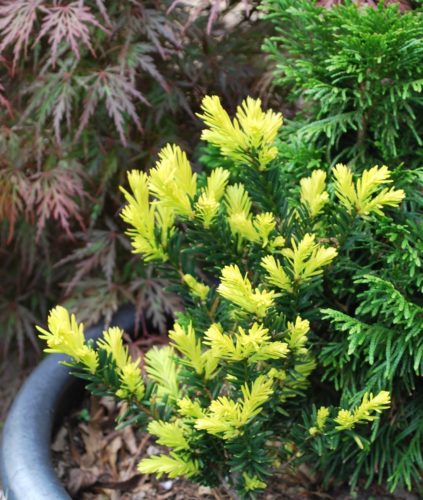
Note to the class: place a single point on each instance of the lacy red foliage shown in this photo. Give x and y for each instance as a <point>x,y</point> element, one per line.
<point>89,89</point>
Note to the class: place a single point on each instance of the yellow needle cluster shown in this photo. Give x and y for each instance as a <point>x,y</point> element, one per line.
<point>185,340</point>
<point>173,465</point>
<point>313,193</point>
<point>162,369</point>
<point>238,289</point>
<point>306,259</point>
<point>129,371</point>
<point>226,417</point>
<point>240,219</point>
<point>249,137</point>
<point>66,336</point>
<point>169,434</point>
<point>322,416</point>
<point>254,345</point>
<point>207,206</point>
<point>365,196</point>
<point>252,483</point>
<point>143,218</point>
<point>297,335</point>
<point>198,289</point>
<point>173,182</point>
<point>347,419</point>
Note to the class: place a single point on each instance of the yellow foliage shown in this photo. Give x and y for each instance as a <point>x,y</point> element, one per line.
<point>362,197</point>
<point>238,289</point>
<point>298,334</point>
<point>112,342</point>
<point>188,408</point>
<point>169,434</point>
<point>197,288</point>
<point>264,224</point>
<point>313,193</point>
<point>173,182</point>
<point>129,372</point>
<point>226,417</point>
<point>238,205</point>
<point>254,346</point>
<point>173,465</point>
<point>207,206</point>
<point>276,275</point>
<point>252,483</point>
<point>308,258</point>
<point>249,137</point>
<point>142,216</point>
<point>131,380</point>
<point>347,419</point>
<point>161,367</point>
<point>322,415</point>
<point>185,340</point>
<point>66,336</point>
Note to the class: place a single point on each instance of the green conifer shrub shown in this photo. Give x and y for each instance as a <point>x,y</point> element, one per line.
<point>254,262</point>
<point>357,69</point>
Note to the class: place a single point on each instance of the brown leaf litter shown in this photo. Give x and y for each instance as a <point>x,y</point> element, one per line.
<point>94,461</point>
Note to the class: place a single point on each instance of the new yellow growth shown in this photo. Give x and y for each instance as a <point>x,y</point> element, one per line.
<point>173,182</point>
<point>238,205</point>
<point>298,334</point>
<point>131,380</point>
<point>169,434</point>
<point>197,288</point>
<point>66,336</point>
<point>308,258</point>
<point>142,217</point>
<point>264,224</point>
<point>129,371</point>
<point>112,343</point>
<point>254,346</point>
<point>249,137</point>
<point>173,465</point>
<point>313,193</point>
<point>226,417</point>
<point>185,340</point>
<point>161,368</point>
<point>188,408</point>
<point>362,197</point>
<point>238,289</point>
<point>252,483</point>
<point>322,415</point>
<point>207,206</point>
<point>276,275</point>
<point>347,419</point>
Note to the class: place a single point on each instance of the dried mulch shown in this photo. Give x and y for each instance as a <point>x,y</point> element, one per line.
<point>94,461</point>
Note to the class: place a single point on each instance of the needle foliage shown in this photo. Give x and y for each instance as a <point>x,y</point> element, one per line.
<point>260,268</point>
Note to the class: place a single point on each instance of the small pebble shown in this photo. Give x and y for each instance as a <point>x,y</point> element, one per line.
<point>167,485</point>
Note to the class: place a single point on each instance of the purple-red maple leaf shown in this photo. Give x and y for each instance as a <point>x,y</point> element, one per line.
<point>17,20</point>
<point>119,95</point>
<point>4,102</point>
<point>68,23</point>
<point>54,194</point>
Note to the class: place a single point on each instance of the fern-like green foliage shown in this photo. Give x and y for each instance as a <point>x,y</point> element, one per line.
<point>253,261</point>
<point>358,70</point>
<point>381,346</point>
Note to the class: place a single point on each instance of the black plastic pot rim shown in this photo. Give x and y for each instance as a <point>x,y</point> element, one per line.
<point>26,468</point>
